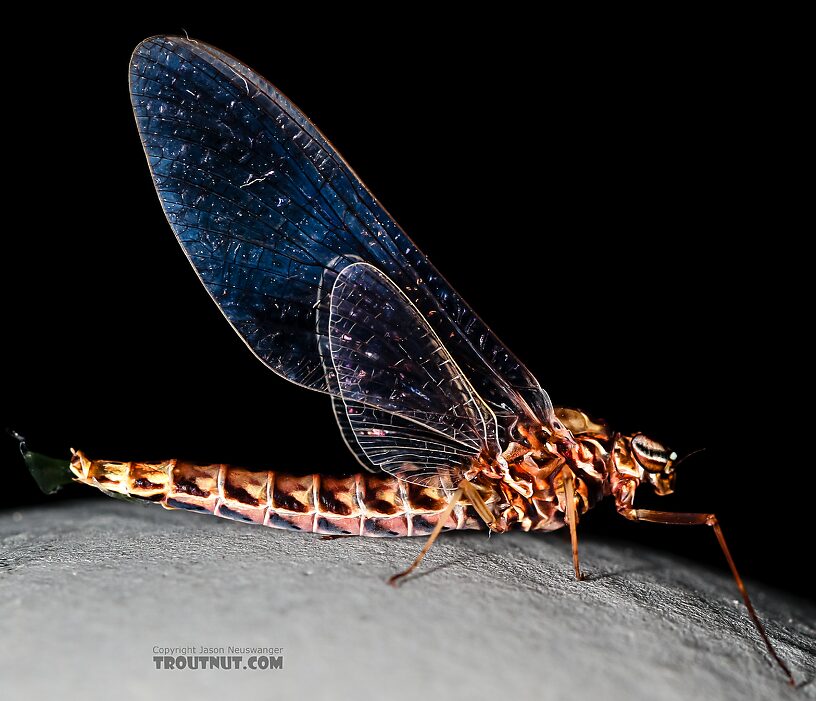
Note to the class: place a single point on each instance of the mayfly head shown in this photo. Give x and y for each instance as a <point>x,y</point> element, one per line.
<point>657,461</point>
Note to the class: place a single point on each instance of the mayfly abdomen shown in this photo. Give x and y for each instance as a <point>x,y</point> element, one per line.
<point>361,504</point>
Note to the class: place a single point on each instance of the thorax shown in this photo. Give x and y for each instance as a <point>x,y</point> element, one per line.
<point>524,486</point>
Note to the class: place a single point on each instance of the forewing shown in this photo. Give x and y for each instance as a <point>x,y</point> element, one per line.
<point>266,209</point>
<point>409,408</point>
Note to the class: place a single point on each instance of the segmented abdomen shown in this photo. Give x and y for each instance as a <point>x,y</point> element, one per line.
<point>362,504</point>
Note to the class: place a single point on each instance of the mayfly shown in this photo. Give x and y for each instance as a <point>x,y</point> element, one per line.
<point>328,292</point>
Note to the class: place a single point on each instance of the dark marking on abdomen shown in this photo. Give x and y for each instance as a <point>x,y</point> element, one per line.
<point>381,506</point>
<point>421,526</point>
<point>276,521</point>
<point>425,499</point>
<point>332,505</point>
<point>226,512</point>
<point>282,500</point>
<point>142,483</point>
<point>373,526</point>
<point>326,526</point>
<point>239,494</point>
<point>176,504</point>
<point>190,487</point>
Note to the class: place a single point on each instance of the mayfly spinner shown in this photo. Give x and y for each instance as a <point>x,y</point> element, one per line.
<point>328,292</point>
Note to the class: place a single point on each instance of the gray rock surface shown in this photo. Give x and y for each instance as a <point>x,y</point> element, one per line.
<point>88,589</point>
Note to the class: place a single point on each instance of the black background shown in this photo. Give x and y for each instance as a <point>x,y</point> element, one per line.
<point>589,188</point>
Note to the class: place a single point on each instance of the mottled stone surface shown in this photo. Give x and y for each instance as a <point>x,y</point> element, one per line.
<point>88,589</point>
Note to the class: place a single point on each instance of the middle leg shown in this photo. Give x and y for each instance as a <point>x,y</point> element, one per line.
<point>572,519</point>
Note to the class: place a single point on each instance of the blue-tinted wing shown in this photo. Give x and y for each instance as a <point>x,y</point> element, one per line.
<point>268,213</point>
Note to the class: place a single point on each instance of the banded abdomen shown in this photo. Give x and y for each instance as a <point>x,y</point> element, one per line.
<point>362,504</point>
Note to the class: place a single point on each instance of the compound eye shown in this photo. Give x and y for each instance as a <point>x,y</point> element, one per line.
<point>651,455</point>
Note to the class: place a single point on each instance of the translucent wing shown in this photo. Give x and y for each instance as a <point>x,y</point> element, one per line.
<point>268,214</point>
<point>341,411</point>
<point>410,409</point>
<point>384,441</point>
